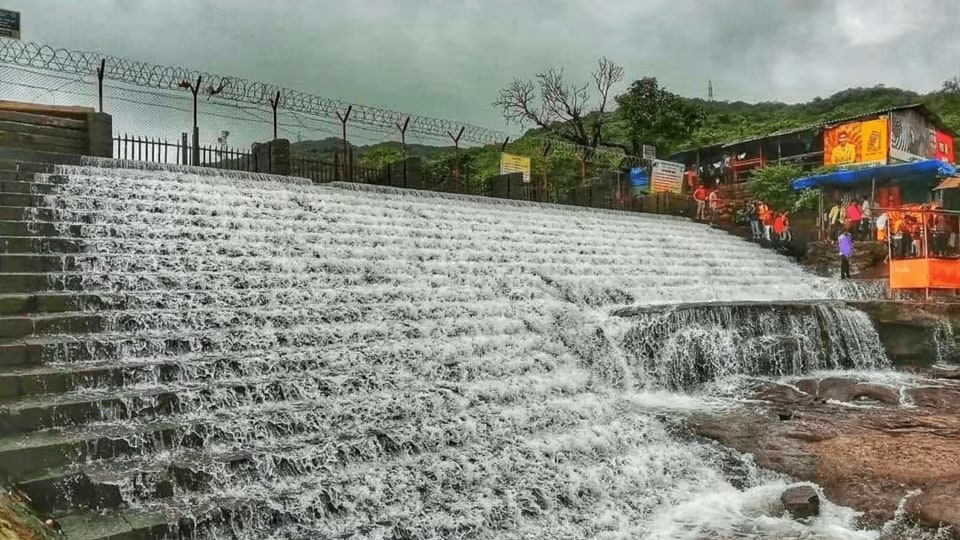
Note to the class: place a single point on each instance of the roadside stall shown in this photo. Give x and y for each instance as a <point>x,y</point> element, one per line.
<point>919,207</point>
<point>884,187</point>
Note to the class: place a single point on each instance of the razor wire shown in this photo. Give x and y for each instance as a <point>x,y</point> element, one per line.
<point>233,89</point>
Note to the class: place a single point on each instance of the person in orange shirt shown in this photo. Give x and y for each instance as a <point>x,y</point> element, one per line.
<point>778,226</point>
<point>766,218</point>
<point>700,195</point>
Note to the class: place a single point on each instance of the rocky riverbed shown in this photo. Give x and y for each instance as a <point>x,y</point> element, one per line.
<point>874,443</point>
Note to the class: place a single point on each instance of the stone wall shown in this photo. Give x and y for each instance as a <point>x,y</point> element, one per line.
<point>916,332</point>
<point>55,129</point>
<point>272,157</point>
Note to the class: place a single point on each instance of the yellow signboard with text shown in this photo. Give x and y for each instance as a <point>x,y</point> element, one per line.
<point>512,163</point>
<point>856,143</point>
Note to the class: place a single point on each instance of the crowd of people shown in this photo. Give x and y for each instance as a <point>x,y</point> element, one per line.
<point>910,231</point>
<point>766,224</point>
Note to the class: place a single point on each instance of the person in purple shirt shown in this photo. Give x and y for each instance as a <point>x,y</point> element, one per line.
<point>845,243</point>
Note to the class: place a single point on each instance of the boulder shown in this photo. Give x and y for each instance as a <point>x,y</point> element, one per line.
<point>801,502</point>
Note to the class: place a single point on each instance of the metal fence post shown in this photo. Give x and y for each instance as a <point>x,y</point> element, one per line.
<point>100,71</point>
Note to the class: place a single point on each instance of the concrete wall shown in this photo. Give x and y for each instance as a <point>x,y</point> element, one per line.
<point>56,129</point>
<point>272,157</point>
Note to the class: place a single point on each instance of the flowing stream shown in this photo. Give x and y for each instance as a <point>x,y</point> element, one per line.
<point>345,361</point>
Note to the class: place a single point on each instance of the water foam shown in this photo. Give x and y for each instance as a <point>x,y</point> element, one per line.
<point>375,361</point>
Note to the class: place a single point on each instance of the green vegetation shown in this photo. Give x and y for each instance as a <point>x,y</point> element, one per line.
<point>772,185</point>
<point>646,114</point>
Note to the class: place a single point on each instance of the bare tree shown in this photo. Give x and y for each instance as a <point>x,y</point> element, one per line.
<point>952,86</point>
<point>560,107</point>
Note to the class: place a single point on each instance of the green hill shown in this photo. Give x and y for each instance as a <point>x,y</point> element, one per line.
<point>731,121</point>
<point>724,122</point>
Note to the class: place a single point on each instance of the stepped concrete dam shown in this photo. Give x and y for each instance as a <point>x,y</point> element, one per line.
<point>188,353</point>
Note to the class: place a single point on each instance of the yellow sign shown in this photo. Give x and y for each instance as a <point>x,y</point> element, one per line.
<point>856,142</point>
<point>873,141</point>
<point>511,163</point>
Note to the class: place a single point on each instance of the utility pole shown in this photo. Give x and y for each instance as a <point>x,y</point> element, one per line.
<point>709,89</point>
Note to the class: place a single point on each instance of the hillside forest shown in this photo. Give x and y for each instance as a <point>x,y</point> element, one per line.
<point>590,115</point>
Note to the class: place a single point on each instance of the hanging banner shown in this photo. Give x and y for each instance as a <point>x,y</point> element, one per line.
<point>944,147</point>
<point>856,143</point>
<point>911,136</point>
<point>511,163</point>
<point>666,177</point>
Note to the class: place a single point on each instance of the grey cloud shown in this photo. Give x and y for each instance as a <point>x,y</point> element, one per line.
<point>448,59</point>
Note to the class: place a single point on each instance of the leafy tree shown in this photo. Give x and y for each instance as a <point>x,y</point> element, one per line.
<point>654,115</point>
<point>772,186</point>
<point>561,108</point>
<point>380,155</point>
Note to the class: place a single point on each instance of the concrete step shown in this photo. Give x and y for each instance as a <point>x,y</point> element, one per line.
<point>73,322</point>
<point>34,352</point>
<point>97,486</point>
<point>37,228</point>
<point>38,157</point>
<point>26,455</point>
<point>23,382</point>
<point>31,188</point>
<point>23,200</point>
<point>39,245</point>
<point>23,354</point>
<point>53,411</point>
<point>173,518</point>
<point>27,304</point>
<point>27,263</point>
<point>32,283</point>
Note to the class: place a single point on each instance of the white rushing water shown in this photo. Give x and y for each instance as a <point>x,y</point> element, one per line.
<point>399,365</point>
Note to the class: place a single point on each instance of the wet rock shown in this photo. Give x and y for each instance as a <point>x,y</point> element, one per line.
<point>801,502</point>
<point>937,507</point>
<point>856,442</point>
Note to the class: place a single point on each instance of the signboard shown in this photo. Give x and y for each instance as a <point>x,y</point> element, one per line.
<point>856,143</point>
<point>944,149</point>
<point>638,179</point>
<point>649,152</point>
<point>511,163</point>
<point>9,24</point>
<point>911,136</point>
<point>666,176</point>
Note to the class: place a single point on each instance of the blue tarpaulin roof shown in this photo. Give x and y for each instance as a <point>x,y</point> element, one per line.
<point>926,170</point>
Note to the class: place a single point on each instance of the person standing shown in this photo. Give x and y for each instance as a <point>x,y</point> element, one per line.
<point>845,244</point>
<point>700,196</point>
<point>835,221</point>
<point>866,216</point>
<point>766,219</point>
<point>753,214</point>
<point>713,201</point>
<point>853,215</point>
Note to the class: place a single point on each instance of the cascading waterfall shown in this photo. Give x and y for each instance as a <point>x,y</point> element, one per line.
<point>687,345</point>
<point>313,361</point>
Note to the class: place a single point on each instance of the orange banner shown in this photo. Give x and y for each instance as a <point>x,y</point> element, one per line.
<point>856,143</point>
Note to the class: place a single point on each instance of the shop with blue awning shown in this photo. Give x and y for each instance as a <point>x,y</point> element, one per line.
<point>888,185</point>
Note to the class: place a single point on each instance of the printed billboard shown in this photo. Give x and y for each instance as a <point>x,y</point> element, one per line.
<point>666,176</point>
<point>944,150</point>
<point>911,136</point>
<point>856,143</point>
<point>511,163</point>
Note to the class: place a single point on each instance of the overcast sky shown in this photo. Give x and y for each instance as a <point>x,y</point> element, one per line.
<point>448,58</point>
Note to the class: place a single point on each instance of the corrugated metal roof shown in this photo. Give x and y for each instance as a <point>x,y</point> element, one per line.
<point>922,109</point>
